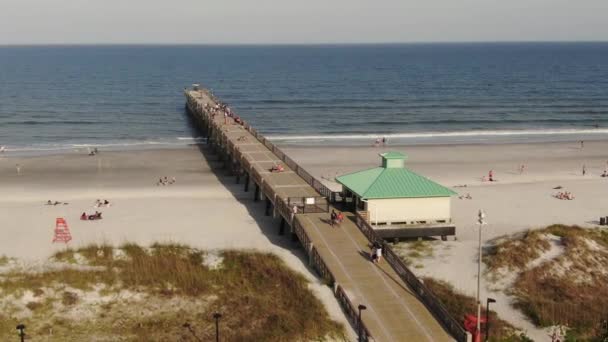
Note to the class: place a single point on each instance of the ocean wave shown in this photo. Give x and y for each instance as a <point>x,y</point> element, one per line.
<point>488,133</point>
<point>48,122</point>
<point>108,145</point>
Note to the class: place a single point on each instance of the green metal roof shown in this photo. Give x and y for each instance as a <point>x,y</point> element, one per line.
<point>393,155</point>
<point>383,182</point>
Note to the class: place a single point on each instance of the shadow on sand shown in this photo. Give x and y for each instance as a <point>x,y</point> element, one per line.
<point>268,225</point>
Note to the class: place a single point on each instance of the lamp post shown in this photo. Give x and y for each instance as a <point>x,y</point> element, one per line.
<point>481,220</point>
<point>217,317</point>
<point>21,327</point>
<point>361,307</point>
<point>488,301</point>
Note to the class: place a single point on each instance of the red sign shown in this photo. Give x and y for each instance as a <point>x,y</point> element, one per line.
<point>62,232</point>
<point>470,325</point>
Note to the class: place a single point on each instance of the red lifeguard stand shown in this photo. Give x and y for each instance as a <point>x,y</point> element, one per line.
<point>62,232</point>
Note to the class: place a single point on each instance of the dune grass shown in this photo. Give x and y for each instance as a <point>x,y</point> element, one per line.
<point>412,251</point>
<point>260,298</point>
<point>571,289</point>
<point>459,305</point>
<point>4,260</point>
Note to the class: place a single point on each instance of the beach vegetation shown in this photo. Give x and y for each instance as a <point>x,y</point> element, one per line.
<point>140,293</point>
<point>569,288</point>
<point>4,260</point>
<point>411,251</point>
<point>459,305</point>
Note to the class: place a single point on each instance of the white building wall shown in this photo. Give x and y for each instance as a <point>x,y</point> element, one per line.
<point>409,209</point>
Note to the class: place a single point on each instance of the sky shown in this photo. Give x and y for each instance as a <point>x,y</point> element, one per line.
<point>299,22</point>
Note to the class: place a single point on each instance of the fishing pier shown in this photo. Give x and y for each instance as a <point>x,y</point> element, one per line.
<point>399,307</point>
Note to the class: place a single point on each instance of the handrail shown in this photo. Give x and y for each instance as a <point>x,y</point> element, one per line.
<point>281,205</point>
<point>351,311</point>
<point>426,296</point>
<point>321,267</point>
<point>284,210</point>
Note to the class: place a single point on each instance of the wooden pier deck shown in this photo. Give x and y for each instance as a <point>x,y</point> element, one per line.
<point>396,310</point>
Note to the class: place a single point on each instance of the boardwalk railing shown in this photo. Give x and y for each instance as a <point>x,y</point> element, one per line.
<point>426,296</point>
<point>309,204</point>
<point>312,181</point>
<point>285,208</point>
<point>317,262</point>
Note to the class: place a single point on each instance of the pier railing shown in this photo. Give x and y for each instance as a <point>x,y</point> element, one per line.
<point>311,180</point>
<point>309,205</point>
<point>426,296</point>
<point>317,262</point>
<point>285,208</point>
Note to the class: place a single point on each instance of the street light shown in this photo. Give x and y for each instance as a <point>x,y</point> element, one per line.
<point>361,307</point>
<point>217,317</point>
<point>488,301</point>
<point>21,327</point>
<point>481,220</point>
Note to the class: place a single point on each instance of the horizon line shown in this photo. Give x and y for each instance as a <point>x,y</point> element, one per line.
<point>308,43</point>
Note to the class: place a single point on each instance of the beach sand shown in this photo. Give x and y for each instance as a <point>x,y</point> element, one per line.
<point>513,203</point>
<point>199,210</point>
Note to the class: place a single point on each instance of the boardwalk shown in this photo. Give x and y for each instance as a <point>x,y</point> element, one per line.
<point>394,312</point>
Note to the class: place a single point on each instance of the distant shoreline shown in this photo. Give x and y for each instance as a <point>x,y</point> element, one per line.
<point>83,149</point>
<point>290,44</point>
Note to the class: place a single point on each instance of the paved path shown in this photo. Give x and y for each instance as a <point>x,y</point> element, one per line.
<point>393,312</point>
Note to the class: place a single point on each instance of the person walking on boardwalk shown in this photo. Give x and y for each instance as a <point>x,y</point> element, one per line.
<point>339,218</point>
<point>332,218</point>
<point>373,255</point>
<point>378,252</point>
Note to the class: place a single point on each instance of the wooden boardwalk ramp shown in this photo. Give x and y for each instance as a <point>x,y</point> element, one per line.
<point>398,306</point>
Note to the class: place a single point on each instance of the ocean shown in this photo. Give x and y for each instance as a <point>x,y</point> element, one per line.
<point>55,98</point>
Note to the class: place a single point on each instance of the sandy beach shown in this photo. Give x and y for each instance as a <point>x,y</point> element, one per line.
<point>200,208</point>
<point>515,202</point>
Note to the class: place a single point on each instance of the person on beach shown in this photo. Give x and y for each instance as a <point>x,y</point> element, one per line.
<point>582,144</point>
<point>491,175</point>
<point>522,168</point>
<point>377,143</point>
<point>18,167</point>
<point>605,174</point>
<point>584,170</point>
<point>225,118</point>
<point>2,149</point>
<point>83,216</point>
<point>383,141</point>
